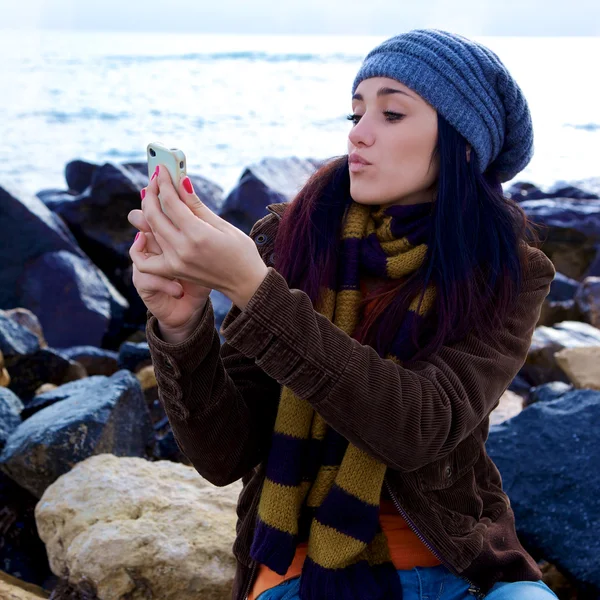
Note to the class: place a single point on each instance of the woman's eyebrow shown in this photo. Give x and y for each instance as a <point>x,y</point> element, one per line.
<point>383,91</point>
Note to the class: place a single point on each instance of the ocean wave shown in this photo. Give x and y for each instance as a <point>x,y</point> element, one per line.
<point>245,56</point>
<point>61,116</point>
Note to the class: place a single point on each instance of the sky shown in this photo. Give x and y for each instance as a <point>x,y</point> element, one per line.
<point>343,17</point>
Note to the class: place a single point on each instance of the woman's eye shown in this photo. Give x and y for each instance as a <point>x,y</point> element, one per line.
<point>389,116</point>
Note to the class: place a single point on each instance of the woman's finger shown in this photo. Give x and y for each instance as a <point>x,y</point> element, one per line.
<point>151,284</point>
<point>138,220</point>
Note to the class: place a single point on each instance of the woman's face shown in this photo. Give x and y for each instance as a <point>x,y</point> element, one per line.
<point>396,131</point>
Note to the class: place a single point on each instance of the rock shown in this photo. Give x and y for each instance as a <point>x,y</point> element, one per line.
<point>22,553</point>
<point>29,231</point>
<point>572,234</point>
<point>78,174</point>
<point>134,356</point>
<point>149,386</point>
<point>126,526</point>
<point>548,456</point>
<point>510,404</point>
<point>587,300</point>
<point>556,312</point>
<point>269,181</point>
<point>82,310</point>
<point>27,319</point>
<point>96,361</point>
<point>4,376</point>
<point>44,366</point>
<point>521,191</point>
<point>56,394</point>
<point>45,387</point>
<point>519,385</point>
<point>53,198</point>
<point>540,365</point>
<point>562,288</point>
<point>581,366</point>
<point>12,588</point>
<point>107,415</point>
<point>547,392</point>
<point>10,414</point>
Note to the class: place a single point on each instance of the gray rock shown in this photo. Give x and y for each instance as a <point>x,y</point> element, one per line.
<point>29,230</point>
<point>562,288</point>
<point>540,365</point>
<point>269,181</point>
<point>134,356</point>
<point>548,457</point>
<point>109,415</point>
<point>573,232</point>
<point>548,391</point>
<point>96,361</point>
<point>10,414</point>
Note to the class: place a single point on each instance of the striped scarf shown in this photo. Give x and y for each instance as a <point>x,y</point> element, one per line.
<point>318,486</point>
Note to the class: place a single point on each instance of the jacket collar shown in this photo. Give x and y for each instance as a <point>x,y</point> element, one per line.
<point>278,208</point>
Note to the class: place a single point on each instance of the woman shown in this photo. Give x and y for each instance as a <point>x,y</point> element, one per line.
<point>376,321</point>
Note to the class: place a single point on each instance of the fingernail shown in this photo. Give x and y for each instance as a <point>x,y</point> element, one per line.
<point>143,193</point>
<point>137,235</point>
<point>187,184</point>
<point>157,169</point>
<point>154,174</point>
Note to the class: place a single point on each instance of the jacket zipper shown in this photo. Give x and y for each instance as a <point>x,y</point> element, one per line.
<point>247,592</point>
<point>473,589</point>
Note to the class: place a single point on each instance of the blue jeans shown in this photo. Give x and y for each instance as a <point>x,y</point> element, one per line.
<point>434,583</point>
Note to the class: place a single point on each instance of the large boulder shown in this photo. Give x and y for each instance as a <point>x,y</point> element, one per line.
<point>35,240</point>
<point>269,181</point>
<point>12,588</point>
<point>130,528</point>
<point>107,415</point>
<point>572,232</point>
<point>581,366</point>
<point>10,414</point>
<point>548,457</point>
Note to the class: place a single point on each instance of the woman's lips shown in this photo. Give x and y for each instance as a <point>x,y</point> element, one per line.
<point>356,166</point>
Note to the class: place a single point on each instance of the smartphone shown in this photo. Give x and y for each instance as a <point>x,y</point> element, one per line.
<point>172,158</point>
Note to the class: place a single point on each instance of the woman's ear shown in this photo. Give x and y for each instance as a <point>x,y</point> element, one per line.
<point>468,152</point>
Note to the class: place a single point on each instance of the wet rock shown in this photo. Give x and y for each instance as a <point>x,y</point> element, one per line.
<point>548,456</point>
<point>96,361</point>
<point>29,230</point>
<point>10,414</point>
<point>134,356</point>
<point>581,366</point>
<point>78,174</point>
<point>109,415</point>
<point>573,232</point>
<point>269,181</point>
<point>540,365</point>
<point>125,526</point>
<point>547,392</point>
<point>587,300</point>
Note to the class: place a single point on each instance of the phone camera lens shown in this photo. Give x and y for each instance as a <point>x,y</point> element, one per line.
<point>152,153</point>
<point>181,164</point>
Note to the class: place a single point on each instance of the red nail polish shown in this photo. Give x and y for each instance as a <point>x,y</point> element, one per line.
<point>153,175</point>
<point>137,235</point>
<point>187,184</point>
<point>143,193</point>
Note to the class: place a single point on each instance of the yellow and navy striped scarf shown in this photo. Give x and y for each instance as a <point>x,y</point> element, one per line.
<point>319,487</point>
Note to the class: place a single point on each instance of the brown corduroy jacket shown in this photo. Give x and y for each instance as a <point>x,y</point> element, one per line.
<point>428,424</point>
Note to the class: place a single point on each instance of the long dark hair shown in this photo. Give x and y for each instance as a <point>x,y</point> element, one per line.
<point>475,255</point>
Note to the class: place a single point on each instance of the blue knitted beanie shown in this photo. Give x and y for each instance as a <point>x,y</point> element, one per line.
<point>468,85</point>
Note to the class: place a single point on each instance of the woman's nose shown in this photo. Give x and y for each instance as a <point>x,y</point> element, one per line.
<point>361,134</point>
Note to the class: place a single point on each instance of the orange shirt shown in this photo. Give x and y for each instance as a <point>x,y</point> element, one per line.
<point>406,549</point>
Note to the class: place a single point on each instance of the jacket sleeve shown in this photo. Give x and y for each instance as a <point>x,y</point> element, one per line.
<point>221,406</point>
<point>404,417</point>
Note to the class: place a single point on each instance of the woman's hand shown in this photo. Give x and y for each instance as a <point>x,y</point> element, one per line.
<point>196,245</point>
<point>178,305</point>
